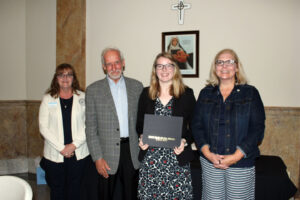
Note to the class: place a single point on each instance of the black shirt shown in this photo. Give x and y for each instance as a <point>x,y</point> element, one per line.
<point>66,110</point>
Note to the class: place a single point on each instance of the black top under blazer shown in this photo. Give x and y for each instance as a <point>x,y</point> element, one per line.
<point>182,106</point>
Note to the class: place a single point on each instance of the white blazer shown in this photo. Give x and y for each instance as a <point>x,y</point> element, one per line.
<point>51,127</point>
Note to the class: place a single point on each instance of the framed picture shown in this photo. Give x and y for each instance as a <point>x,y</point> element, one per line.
<point>184,47</point>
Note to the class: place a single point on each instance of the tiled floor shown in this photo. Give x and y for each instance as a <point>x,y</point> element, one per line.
<point>40,192</point>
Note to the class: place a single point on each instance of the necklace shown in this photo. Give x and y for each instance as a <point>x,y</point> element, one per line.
<point>66,103</point>
<point>65,106</point>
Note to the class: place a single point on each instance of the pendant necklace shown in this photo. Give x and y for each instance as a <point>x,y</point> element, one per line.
<point>65,106</point>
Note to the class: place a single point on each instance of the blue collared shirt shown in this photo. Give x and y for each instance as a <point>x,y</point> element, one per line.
<point>119,93</point>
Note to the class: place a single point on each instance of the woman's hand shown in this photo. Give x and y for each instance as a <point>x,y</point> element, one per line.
<point>216,159</point>
<point>212,157</point>
<point>229,160</point>
<point>179,150</point>
<point>142,145</point>
<point>68,151</point>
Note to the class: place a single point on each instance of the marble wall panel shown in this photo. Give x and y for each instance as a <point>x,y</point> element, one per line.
<point>282,138</point>
<point>35,140</point>
<point>13,134</point>
<point>21,144</point>
<point>20,140</point>
<point>70,35</point>
<point>14,166</point>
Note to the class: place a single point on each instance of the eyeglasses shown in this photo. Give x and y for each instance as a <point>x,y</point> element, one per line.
<point>117,63</point>
<point>226,63</point>
<point>61,76</point>
<point>168,66</point>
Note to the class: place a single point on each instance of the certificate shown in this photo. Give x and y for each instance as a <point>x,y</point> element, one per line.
<point>162,131</point>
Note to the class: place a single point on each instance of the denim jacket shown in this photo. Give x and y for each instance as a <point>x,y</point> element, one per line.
<point>244,121</point>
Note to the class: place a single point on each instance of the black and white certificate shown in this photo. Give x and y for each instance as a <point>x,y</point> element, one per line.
<point>162,131</point>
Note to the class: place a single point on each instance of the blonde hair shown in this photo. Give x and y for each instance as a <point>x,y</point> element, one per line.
<point>177,88</point>
<point>240,76</point>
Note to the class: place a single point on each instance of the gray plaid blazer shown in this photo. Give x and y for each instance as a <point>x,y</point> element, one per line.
<point>102,125</point>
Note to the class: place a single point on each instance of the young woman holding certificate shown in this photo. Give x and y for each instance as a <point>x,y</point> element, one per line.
<point>165,173</point>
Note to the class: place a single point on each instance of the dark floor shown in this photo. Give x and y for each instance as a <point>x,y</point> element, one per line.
<point>40,192</point>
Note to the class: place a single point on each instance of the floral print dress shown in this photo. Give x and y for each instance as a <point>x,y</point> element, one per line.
<point>160,176</point>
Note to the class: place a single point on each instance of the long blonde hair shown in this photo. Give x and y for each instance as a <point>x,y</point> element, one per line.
<point>177,88</point>
<point>240,76</point>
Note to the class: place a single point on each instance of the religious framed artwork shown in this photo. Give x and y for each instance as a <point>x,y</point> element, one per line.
<point>184,48</point>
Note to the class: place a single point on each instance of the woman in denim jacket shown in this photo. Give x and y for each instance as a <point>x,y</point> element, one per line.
<point>228,125</point>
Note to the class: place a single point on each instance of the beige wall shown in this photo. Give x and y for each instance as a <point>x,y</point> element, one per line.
<point>27,50</point>
<point>265,34</point>
<point>40,46</point>
<point>12,50</point>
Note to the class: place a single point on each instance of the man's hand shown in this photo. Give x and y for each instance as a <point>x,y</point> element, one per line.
<point>102,167</point>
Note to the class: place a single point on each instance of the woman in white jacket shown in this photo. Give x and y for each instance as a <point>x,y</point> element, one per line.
<point>62,125</point>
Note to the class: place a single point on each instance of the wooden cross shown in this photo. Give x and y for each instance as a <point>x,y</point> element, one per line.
<point>181,7</point>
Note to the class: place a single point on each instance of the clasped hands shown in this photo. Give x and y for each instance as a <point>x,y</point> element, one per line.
<point>68,151</point>
<point>218,161</point>
<point>222,161</point>
<point>177,150</point>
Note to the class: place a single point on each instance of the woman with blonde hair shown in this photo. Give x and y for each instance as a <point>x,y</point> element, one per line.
<point>165,173</point>
<point>228,125</point>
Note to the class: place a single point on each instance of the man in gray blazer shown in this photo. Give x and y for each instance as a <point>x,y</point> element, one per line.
<point>111,112</point>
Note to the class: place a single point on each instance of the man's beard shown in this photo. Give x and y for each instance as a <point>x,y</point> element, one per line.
<point>115,77</point>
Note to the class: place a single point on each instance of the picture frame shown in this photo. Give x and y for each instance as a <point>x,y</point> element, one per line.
<point>184,47</point>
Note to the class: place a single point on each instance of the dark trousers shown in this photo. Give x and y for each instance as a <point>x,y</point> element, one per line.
<point>90,182</point>
<point>126,175</point>
<point>64,179</point>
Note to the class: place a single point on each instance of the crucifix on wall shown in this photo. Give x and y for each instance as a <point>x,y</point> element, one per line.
<point>180,6</point>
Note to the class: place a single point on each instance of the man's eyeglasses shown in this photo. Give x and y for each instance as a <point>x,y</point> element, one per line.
<point>61,76</point>
<point>226,63</point>
<point>117,63</point>
<point>167,66</point>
